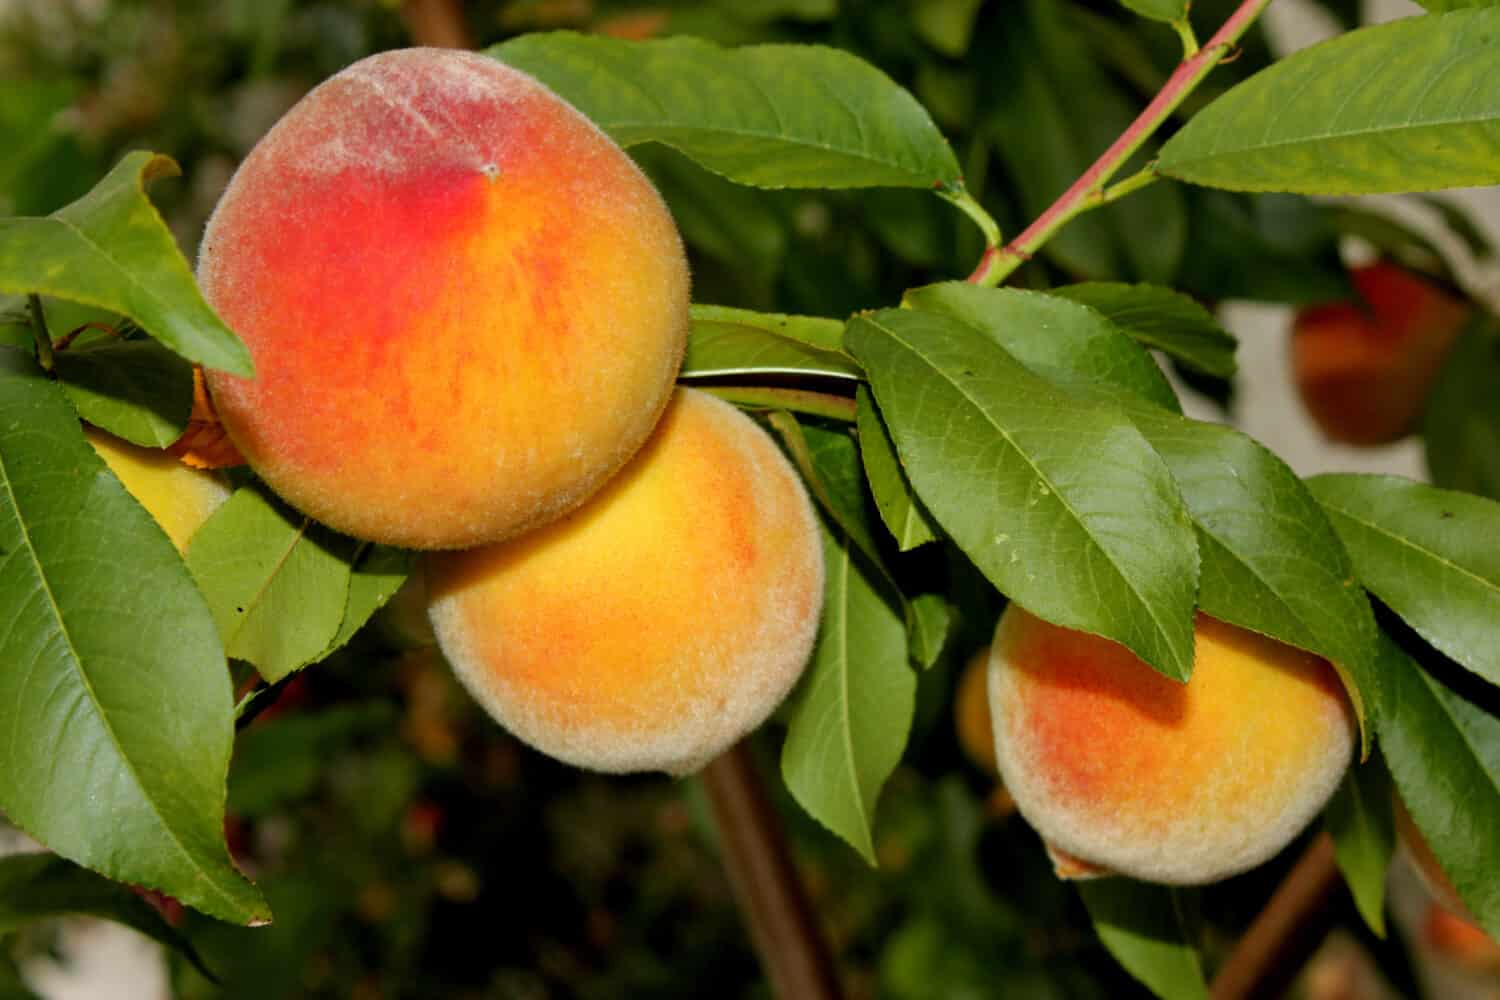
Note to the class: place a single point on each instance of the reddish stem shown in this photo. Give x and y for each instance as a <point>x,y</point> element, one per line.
<point>1088,189</point>
<point>772,899</point>
<point>439,23</point>
<point>1287,932</point>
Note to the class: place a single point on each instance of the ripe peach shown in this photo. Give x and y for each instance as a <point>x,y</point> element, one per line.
<point>971,713</point>
<point>656,625</point>
<point>179,498</point>
<point>1458,940</point>
<point>465,304</point>
<point>1365,370</point>
<point>1123,770</point>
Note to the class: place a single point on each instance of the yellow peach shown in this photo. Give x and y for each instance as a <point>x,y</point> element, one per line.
<point>660,622</point>
<point>1123,770</point>
<point>179,498</point>
<point>465,304</point>
<point>971,713</point>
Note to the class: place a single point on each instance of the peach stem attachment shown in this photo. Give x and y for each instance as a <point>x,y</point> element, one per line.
<point>770,893</point>
<point>1286,932</point>
<point>1090,190</point>
<point>439,23</point>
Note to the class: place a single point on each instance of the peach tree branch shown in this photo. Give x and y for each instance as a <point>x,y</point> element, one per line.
<point>1091,189</point>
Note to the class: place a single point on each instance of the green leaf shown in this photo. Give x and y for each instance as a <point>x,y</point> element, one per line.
<point>946,25</point>
<point>1413,105</point>
<point>1443,750</point>
<point>738,225</point>
<point>903,514</point>
<point>1059,339</point>
<point>1432,555</point>
<point>1461,428</point>
<point>1249,509</point>
<point>1159,10</point>
<point>1278,248</point>
<point>1052,111</point>
<point>929,623</point>
<point>1271,561</point>
<point>376,573</point>
<point>829,463</point>
<point>1145,927</point>
<point>135,389</point>
<point>276,582</point>
<point>1390,237</point>
<point>724,341</point>
<point>111,249</point>
<point>42,164</point>
<point>849,717</point>
<point>766,115</point>
<point>279,760</point>
<point>1364,836</point>
<point>1058,500</point>
<point>1439,6</point>
<point>115,705</point>
<point>40,886</point>
<point>1459,220</point>
<point>1161,319</point>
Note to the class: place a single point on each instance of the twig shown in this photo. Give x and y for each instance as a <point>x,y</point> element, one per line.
<point>766,884</point>
<point>439,23</point>
<point>1286,933</point>
<point>1088,190</point>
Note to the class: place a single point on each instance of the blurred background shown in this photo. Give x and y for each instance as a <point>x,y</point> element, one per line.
<point>408,846</point>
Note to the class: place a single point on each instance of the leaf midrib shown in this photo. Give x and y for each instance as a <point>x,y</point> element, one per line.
<point>1051,484</point>
<point>76,661</point>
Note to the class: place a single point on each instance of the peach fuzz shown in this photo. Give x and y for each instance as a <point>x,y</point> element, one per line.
<point>659,623</point>
<point>180,499</point>
<point>1364,370</point>
<point>1122,770</point>
<point>465,304</point>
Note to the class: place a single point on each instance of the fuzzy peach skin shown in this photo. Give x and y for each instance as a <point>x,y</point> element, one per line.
<point>1122,770</point>
<point>180,499</point>
<point>1364,370</point>
<point>660,622</point>
<point>465,304</point>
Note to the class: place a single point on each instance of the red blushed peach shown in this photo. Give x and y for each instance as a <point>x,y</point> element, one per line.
<point>1124,771</point>
<point>660,622</point>
<point>1364,370</point>
<point>465,304</point>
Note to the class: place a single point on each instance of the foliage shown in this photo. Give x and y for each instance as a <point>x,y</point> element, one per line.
<point>833,168</point>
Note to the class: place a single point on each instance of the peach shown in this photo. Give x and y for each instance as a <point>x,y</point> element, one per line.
<point>180,499</point>
<point>1459,941</point>
<point>1365,370</point>
<point>466,306</point>
<point>1122,770</point>
<point>660,622</point>
<point>971,713</point>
